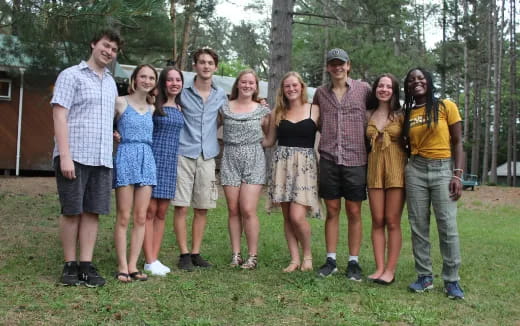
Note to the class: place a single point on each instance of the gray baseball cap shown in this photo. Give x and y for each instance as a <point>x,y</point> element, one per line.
<point>337,54</point>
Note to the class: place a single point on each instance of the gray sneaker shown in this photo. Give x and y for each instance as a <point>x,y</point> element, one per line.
<point>354,272</point>
<point>328,268</point>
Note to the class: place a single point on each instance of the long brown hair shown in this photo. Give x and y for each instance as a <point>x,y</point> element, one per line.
<point>281,103</point>
<point>395,105</point>
<point>234,88</point>
<point>162,96</point>
<point>150,98</point>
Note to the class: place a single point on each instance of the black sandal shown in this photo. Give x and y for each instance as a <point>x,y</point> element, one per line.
<point>138,276</point>
<point>118,275</point>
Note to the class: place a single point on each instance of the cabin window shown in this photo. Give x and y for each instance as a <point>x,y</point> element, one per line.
<point>5,89</point>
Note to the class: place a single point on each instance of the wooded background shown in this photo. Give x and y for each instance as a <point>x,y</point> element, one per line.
<point>474,63</point>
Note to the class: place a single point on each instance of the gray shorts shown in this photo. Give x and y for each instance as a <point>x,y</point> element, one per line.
<point>88,193</point>
<point>196,183</point>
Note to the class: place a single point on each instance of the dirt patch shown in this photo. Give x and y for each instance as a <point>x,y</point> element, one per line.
<point>482,197</point>
<point>488,197</point>
<point>31,186</point>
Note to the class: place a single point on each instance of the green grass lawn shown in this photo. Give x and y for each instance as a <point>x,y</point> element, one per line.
<point>31,262</point>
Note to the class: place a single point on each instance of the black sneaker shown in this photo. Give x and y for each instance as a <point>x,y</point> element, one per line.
<point>185,263</point>
<point>69,276</point>
<point>198,261</point>
<point>89,276</point>
<point>354,271</point>
<point>328,268</point>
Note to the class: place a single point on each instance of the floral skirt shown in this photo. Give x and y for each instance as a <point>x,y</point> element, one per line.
<point>294,178</point>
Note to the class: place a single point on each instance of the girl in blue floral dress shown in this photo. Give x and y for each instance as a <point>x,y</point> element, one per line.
<point>134,168</point>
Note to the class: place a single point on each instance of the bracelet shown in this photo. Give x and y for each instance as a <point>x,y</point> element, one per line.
<point>456,177</point>
<point>461,170</point>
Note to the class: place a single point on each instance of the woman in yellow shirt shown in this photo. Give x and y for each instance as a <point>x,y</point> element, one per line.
<point>433,131</point>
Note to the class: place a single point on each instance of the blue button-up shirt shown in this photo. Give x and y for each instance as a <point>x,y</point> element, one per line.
<point>90,101</point>
<point>199,135</point>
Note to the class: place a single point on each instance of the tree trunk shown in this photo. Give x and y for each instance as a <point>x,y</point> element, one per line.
<point>475,147</point>
<point>324,75</point>
<point>511,131</point>
<point>466,74</point>
<point>498,94</point>
<point>487,110</point>
<point>443,50</point>
<point>280,45</point>
<point>188,19</point>
<point>173,18</point>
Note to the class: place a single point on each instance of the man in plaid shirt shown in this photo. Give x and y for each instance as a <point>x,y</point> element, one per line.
<point>83,113</point>
<point>343,157</point>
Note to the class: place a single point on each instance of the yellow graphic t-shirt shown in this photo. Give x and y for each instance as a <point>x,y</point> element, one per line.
<point>433,142</point>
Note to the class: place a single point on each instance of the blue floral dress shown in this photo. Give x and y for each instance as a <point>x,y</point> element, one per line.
<point>134,162</point>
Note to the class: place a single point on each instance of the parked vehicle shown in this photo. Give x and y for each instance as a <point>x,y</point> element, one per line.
<point>469,181</point>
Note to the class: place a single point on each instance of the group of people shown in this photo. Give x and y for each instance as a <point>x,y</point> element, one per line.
<point>166,132</point>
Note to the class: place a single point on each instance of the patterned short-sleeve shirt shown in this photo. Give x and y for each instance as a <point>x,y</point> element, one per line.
<point>343,123</point>
<point>90,101</point>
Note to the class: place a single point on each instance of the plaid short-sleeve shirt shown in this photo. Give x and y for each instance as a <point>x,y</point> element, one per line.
<point>343,123</point>
<point>90,101</point>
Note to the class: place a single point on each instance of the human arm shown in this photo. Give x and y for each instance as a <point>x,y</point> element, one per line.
<point>270,135</point>
<point>456,145</point>
<point>61,132</point>
<point>119,108</point>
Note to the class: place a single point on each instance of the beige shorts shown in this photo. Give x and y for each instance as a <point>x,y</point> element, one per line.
<point>196,183</point>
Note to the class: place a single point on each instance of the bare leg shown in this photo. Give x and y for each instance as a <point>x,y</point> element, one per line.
<point>179,226</point>
<point>393,209</point>
<point>332,224</point>
<point>302,230</point>
<point>249,195</point>
<point>88,227</point>
<point>141,201</point>
<point>234,217</point>
<point>124,202</point>
<point>69,226</point>
<point>290,236</point>
<point>197,229</point>
<point>353,209</point>
<point>158,226</point>
<point>151,214</point>
<point>377,208</point>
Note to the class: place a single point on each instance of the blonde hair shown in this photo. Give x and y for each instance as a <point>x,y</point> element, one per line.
<point>282,104</point>
<point>150,97</point>
<point>234,88</point>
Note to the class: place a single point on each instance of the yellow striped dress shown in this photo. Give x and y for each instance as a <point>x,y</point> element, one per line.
<point>387,159</point>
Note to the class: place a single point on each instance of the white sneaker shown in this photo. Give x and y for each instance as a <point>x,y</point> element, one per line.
<point>164,267</point>
<point>155,269</point>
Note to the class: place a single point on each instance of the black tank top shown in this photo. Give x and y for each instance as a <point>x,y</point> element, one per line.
<point>297,134</point>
